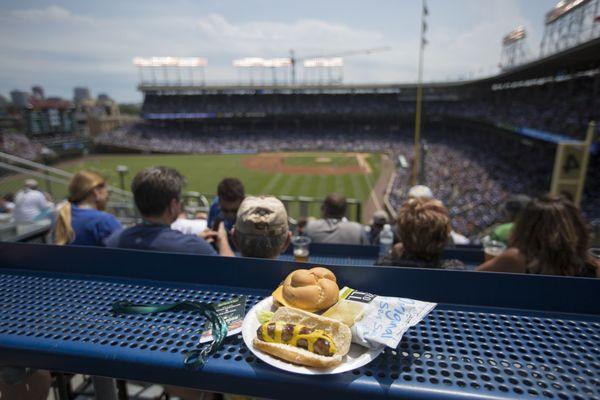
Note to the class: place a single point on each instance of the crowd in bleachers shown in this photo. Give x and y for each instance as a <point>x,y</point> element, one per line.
<point>20,145</point>
<point>176,139</point>
<point>473,173</point>
<point>565,108</point>
<point>275,104</point>
<point>541,107</point>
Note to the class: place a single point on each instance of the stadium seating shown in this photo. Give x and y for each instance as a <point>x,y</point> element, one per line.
<point>472,171</point>
<point>534,106</point>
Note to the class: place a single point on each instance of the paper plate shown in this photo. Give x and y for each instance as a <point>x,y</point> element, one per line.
<point>356,357</point>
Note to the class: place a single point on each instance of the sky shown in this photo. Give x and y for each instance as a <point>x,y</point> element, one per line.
<point>60,44</point>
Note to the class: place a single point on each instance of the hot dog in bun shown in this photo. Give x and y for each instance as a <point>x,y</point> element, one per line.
<point>304,338</point>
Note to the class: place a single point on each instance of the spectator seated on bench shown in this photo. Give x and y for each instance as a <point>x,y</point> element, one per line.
<point>82,220</point>
<point>261,228</point>
<point>157,195</point>
<point>424,230</point>
<point>334,227</point>
<point>550,237</point>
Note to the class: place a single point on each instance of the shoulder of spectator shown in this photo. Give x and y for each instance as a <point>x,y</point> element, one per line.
<point>196,243</point>
<point>111,221</point>
<point>310,224</point>
<point>509,261</point>
<point>112,240</point>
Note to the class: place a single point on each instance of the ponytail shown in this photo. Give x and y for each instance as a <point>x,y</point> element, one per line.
<point>63,231</point>
<point>82,183</point>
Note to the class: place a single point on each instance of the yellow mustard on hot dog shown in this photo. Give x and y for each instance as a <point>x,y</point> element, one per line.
<point>314,340</point>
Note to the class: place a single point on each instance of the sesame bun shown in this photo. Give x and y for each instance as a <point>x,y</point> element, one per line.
<point>311,290</point>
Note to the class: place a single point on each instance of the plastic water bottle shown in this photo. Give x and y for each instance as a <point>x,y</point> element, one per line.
<point>386,239</point>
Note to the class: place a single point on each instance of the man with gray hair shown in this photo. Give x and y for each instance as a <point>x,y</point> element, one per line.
<point>261,227</point>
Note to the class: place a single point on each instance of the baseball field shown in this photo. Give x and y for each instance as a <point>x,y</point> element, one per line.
<point>313,174</point>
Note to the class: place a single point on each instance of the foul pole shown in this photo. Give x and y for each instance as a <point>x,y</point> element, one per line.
<point>417,146</point>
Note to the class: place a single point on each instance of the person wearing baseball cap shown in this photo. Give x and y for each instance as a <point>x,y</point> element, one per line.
<point>261,227</point>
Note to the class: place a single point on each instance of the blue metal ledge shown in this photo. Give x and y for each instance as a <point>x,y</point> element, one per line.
<point>492,336</point>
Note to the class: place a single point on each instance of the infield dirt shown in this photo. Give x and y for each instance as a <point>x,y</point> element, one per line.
<point>275,163</point>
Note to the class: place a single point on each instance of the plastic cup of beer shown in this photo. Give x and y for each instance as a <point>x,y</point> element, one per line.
<point>493,248</point>
<point>301,251</point>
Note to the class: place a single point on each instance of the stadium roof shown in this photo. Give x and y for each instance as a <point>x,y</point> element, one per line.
<point>579,58</point>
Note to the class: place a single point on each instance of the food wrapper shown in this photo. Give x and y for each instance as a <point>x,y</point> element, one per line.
<point>384,319</point>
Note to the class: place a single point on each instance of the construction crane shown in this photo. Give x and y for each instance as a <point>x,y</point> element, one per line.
<point>294,59</point>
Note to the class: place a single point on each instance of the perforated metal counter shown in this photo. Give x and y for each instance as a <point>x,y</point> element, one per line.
<point>492,335</point>
<point>366,256</point>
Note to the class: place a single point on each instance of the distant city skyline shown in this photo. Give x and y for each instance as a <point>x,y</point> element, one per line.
<point>61,45</point>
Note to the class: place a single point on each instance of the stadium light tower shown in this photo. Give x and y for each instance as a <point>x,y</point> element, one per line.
<point>262,65</point>
<point>171,68</point>
<point>514,49</point>
<point>570,23</point>
<point>277,64</point>
<point>332,68</point>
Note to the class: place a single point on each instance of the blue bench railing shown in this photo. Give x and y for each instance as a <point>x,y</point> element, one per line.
<point>491,336</point>
<point>343,254</point>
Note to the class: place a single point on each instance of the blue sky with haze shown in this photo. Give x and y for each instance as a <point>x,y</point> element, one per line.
<point>62,44</point>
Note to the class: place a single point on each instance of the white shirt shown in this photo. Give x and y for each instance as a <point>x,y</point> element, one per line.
<point>29,204</point>
<point>332,230</point>
<point>189,226</point>
<point>457,238</point>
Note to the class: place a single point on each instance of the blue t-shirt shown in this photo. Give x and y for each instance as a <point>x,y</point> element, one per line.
<point>159,237</point>
<point>215,212</point>
<point>91,226</point>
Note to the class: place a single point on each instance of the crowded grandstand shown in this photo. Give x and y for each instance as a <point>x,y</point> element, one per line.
<point>486,139</point>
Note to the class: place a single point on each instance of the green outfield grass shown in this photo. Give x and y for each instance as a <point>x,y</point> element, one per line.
<point>203,173</point>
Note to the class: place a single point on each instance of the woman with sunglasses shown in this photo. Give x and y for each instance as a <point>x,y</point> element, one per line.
<point>82,220</point>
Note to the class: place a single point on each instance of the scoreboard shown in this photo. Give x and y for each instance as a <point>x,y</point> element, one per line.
<point>50,120</point>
